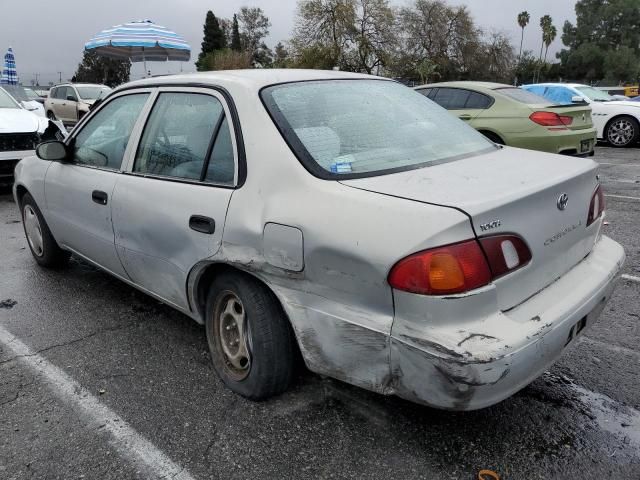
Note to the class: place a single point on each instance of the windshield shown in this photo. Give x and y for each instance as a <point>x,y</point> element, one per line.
<point>6,101</point>
<point>31,94</point>
<point>18,92</point>
<point>92,93</point>
<point>595,94</point>
<point>351,128</point>
<point>522,96</point>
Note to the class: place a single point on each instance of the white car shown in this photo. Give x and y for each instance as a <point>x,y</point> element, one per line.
<point>617,121</point>
<point>20,132</point>
<point>343,215</point>
<point>25,98</point>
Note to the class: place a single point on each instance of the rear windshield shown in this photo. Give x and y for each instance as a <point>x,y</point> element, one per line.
<point>523,96</point>
<point>352,128</point>
<point>92,93</point>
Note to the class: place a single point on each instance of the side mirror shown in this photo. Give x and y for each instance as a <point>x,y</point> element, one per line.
<point>53,151</point>
<point>577,99</point>
<point>72,98</point>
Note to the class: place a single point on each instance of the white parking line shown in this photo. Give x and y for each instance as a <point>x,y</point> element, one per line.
<point>124,438</point>
<point>631,277</point>
<point>622,196</point>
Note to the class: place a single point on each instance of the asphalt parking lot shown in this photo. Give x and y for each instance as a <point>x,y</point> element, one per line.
<point>100,381</point>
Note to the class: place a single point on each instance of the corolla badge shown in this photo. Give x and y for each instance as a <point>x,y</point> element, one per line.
<point>562,201</point>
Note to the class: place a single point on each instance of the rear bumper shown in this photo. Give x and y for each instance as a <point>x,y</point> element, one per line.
<point>477,362</point>
<point>567,142</point>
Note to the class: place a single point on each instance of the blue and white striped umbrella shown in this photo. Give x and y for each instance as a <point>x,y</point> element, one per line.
<point>9,72</point>
<point>140,41</point>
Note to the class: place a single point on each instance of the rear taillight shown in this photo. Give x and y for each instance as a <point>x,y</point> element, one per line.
<point>551,119</point>
<point>505,253</point>
<point>459,267</point>
<point>596,207</point>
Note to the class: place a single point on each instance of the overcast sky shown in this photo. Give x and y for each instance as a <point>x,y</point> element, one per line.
<point>48,36</point>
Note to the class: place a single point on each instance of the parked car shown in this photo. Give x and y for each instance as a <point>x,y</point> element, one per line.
<point>509,116</point>
<point>340,214</point>
<point>20,132</point>
<point>24,98</point>
<point>617,122</point>
<point>70,102</point>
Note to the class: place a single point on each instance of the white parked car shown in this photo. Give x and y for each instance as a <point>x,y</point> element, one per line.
<point>26,98</point>
<point>343,215</point>
<point>20,133</point>
<point>617,121</point>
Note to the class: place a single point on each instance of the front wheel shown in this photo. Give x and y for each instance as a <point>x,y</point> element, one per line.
<point>43,246</point>
<point>622,131</point>
<point>249,336</point>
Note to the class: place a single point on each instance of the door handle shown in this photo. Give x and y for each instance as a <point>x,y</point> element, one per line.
<point>202,224</point>
<point>99,197</point>
<point>465,116</point>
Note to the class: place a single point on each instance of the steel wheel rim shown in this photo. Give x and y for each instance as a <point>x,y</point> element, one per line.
<point>233,334</point>
<point>33,230</point>
<point>621,132</point>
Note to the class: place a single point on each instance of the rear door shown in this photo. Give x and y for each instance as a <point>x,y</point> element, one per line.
<point>170,207</point>
<point>463,103</point>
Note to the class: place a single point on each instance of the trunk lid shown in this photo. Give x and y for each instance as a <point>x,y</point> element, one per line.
<point>581,114</point>
<point>511,191</point>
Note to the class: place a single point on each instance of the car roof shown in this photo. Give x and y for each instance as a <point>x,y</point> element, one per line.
<point>468,84</point>
<point>253,78</point>
<point>70,84</point>
<point>556,84</point>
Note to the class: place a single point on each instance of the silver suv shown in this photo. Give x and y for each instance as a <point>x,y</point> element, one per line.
<point>69,102</point>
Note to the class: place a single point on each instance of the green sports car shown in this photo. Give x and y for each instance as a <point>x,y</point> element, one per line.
<point>512,116</point>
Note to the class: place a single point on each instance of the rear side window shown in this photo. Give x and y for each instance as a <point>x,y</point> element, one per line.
<point>178,140</point>
<point>427,92</point>
<point>478,101</point>
<point>451,98</point>
<point>522,96</point>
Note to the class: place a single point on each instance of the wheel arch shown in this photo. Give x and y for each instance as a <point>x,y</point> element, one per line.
<point>21,191</point>
<point>492,135</point>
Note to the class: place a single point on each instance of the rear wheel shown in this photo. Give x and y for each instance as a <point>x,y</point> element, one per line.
<point>43,246</point>
<point>251,343</point>
<point>622,131</point>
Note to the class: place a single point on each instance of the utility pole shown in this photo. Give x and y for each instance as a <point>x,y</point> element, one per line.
<point>37,82</point>
<point>60,74</point>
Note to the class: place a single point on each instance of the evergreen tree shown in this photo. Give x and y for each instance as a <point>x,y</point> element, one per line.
<point>214,38</point>
<point>235,35</point>
<point>96,69</point>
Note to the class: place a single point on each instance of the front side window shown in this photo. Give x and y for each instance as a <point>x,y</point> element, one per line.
<point>351,128</point>
<point>103,140</point>
<point>177,140</point>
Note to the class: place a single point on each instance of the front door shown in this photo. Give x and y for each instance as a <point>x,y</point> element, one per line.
<point>79,192</point>
<point>169,210</point>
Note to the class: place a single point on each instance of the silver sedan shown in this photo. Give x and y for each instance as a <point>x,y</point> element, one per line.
<point>343,216</point>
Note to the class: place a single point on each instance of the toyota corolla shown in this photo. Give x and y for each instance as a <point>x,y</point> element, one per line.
<point>340,215</point>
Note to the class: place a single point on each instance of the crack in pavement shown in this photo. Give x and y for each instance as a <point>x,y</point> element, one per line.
<point>66,344</point>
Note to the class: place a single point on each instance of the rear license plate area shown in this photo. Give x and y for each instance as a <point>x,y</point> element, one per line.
<point>585,146</point>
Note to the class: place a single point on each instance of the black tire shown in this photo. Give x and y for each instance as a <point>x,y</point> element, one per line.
<point>622,131</point>
<point>269,338</point>
<point>493,137</point>
<point>51,115</point>
<point>47,252</point>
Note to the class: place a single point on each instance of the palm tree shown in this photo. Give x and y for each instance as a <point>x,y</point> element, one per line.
<point>523,21</point>
<point>545,23</point>
<point>549,36</point>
